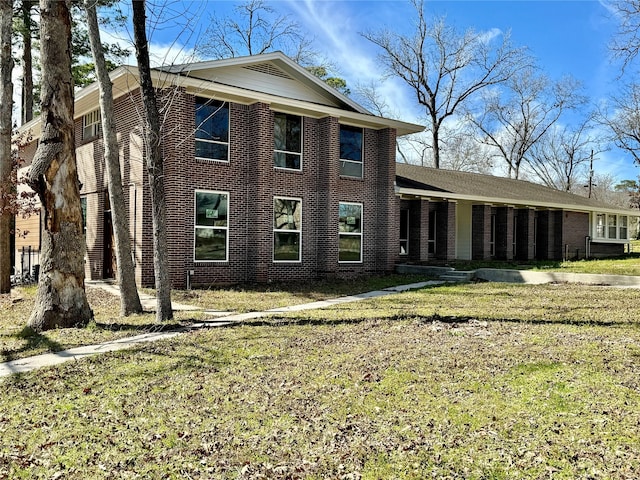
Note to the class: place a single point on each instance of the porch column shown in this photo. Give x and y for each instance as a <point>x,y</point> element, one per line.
<point>525,241</point>
<point>504,233</point>
<point>481,232</point>
<point>446,230</point>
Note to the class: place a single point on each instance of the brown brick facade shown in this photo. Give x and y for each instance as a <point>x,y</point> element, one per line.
<point>251,181</point>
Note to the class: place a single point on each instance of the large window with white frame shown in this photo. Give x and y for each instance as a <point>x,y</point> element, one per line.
<point>212,129</point>
<point>211,236</point>
<point>351,151</point>
<point>287,229</point>
<point>350,232</point>
<point>611,227</point>
<point>287,141</point>
<point>91,124</point>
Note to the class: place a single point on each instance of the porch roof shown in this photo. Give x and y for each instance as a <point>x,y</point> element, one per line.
<point>414,180</point>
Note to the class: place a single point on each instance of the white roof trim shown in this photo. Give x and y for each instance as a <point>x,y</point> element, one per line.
<point>126,79</point>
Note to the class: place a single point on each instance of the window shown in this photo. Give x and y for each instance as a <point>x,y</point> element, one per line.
<point>287,139</point>
<point>211,226</point>
<point>83,209</point>
<point>350,236</point>
<point>91,124</point>
<point>350,151</point>
<point>287,229</point>
<point>431,248</point>
<point>623,227</point>
<point>212,129</point>
<point>404,232</point>
<point>600,223</point>
<point>613,229</point>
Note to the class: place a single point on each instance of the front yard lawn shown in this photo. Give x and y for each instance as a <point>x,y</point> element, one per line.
<point>476,381</point>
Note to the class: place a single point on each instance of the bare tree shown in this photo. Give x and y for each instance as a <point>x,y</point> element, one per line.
<point>61,300</point>
<point>513,120</point>
<point>444,68</point>
<point>256,28</point>
<point>622,118</point>
<point>26,33</point>
<point>6,106</point>
<point>559,158</point>
<point>129,299</point>
<point>626,42</point>
<point>155,164</point>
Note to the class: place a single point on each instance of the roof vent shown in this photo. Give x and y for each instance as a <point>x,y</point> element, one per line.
<point>268,69</point>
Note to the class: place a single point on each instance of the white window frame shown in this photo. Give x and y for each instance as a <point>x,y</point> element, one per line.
<point>282,230</point>
<point>227,143</point>
<point>611,221</point>
<point>287,151</point>
<point>360,162</point>
<point>225,228</point>
<point>91,124</point>
<point>351,234</point>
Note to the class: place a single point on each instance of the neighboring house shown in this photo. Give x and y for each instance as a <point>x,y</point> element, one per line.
<point>446,215</point>
<point>270,175</point>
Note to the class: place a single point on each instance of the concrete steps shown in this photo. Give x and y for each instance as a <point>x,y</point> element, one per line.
<point>458,276</point>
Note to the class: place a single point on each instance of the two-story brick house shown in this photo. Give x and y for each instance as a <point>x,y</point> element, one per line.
<point>270,175</point>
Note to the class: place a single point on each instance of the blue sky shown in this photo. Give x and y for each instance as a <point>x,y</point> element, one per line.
<point>566,37</point>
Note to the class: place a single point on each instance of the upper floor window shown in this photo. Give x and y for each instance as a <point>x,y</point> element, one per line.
<point>287,229</point>
<point>350,151</point>
<point>211,226</point>
<point>350,236</point>
<point>287,140</point>
<point>212,129</point>
<point>91,124</point>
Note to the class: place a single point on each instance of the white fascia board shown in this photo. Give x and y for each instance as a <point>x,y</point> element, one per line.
<point>293,106</point>
<point>126,79</point>
<point>510,201</point>
<point>277,58</point>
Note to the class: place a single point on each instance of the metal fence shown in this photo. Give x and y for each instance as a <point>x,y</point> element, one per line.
<point>27,268</point>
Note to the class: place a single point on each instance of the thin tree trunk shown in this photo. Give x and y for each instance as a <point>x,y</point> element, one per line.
<point>129,299</point>
<point>61,300</point>
<point>155,167</point>
<point>27,63</point>
<point>6,104</point>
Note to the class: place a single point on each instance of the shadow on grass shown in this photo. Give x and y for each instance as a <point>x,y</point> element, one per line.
<point>452,320</point>
<point>34,340</point>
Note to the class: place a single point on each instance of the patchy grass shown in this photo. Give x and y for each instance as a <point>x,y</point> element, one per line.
<point>261,297</point>
<point>18,341</point>
<point>627,265</point>
<point>476,381</point>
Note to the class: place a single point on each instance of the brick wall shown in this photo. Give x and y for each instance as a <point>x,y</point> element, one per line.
<point>251,181</point>
<point>575,229</point>
<point>481,232</point>
<point>504,233</point>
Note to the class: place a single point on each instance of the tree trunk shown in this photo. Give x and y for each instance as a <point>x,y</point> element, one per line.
<point>6,104</point>
<point>154,162</point>
<point>61,300</point>
<point>436,145</point>
<point>27,63</point>
<point>129,299</point>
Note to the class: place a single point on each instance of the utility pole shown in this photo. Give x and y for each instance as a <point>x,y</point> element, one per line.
<point>590,186</point>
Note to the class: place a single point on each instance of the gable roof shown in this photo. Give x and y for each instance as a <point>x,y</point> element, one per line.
<point>455,185</point>
<point>271,78</point>
<point>269,73</point>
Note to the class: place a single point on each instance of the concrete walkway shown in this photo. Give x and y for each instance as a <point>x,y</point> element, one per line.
<point>219,318</point>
